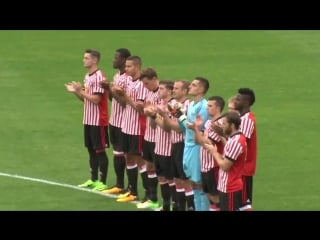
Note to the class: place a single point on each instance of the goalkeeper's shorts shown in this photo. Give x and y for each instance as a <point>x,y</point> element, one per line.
<point>191,163</point>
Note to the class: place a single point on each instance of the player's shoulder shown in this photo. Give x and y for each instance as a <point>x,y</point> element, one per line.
<point>204,102</point>
<point>100,74</point>
<point>248,117</point>
<point>252,116</point>
<point>240,138</point>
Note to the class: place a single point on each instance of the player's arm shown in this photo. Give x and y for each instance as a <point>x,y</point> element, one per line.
<point>224,163</point>
<point>199,137</point>
<point>182,123</point>
<point>149,111</point>
<point>118,94</point>
<point>125,98</point>
<point>247,127</point>
<point>106,85</point>
<point>165,122</point>
<point>140,103</point>
<point>160,122</point>
<point>95,98</point>
<point>162,118</point>
<point>174,125</point>
<point>219,131</point>
<point>79,96</point>
<point>122,96</point>
<point>223,140</point>
<point>181,117</point>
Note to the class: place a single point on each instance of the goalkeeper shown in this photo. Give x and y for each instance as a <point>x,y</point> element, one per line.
<point>191,154</point>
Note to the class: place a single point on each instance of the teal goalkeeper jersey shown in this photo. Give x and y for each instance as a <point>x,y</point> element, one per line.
<point>194,109</point>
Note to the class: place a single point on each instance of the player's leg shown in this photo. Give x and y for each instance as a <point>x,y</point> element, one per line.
<point>247,193</point>
<point>119,163</point>
<point>200,199</point>
<point>99,138</point>
<point>92,161</point>
<point>152,179</point>
<point>210,188</point>
<point>178,173</point>
<point>187,184</point>
<point>133,149</point>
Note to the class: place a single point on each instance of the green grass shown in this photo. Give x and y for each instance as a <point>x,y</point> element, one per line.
<point>41,133</point>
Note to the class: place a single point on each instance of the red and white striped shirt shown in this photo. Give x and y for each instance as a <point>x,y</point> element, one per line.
<point>154,98</point>
<point>95,114</point>
<point>236,150</point>
<point>207,160</point>
<point>134,123</point>
<point>248,128</point>
<point>177,137</point>
<point>163,140</point>
<point>116,108</point>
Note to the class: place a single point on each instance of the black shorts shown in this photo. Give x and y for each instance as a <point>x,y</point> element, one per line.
<point>96,137</point>
<point>148,151</point>
<point>230,201</point>
<point>163,166</point>
<point>116,138</point>
<point>209,181</point>
<point>177,158</point>
<point>132,144</point>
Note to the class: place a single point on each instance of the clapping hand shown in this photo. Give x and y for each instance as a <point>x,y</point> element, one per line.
<point>69,87</point>
<point>118,90</point>
<point>73,86</point>
<point>208,144</point>
<point>196,124</point>
<point>149,110</point>
<point>191,125</point>
<point>162,110</point>
<point>217,129</point>
<point>175,109</point>
<point>104,84</point>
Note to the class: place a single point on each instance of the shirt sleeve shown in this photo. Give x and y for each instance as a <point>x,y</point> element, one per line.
<point>247,127</point>
<point>96,87</point>
<point>233,150</point>
<point>142,93</point>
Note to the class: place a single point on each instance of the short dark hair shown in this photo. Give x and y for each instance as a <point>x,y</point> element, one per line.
<point>136,59</point>
<point>167,83</point>
<point>204,82</point>
<point>219,101</point>
<point>149,73</point>
<point>249,93</point>
<point>93,53</point>
<point>124,52</point>
<point>233,117</point>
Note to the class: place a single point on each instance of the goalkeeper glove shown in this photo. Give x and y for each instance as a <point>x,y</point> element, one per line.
<point>176,111</point>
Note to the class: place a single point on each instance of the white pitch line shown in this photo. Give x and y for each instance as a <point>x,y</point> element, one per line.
<point>59,184</point>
